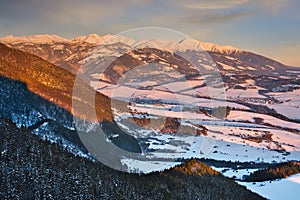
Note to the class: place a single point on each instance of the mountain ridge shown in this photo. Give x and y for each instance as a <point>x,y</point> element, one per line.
<point>39,38</point>
<point>96,39</point>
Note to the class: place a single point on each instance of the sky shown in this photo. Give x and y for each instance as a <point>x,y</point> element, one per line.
<point>266,27</point>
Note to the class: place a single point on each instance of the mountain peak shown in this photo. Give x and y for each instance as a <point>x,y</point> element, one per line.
<point>91,38</point>
<point>37,39</point>
<point>218,48</point>
<point>110,39</point>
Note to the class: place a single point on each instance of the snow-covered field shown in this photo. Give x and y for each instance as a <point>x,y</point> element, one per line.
<point>226,140</point>
<point>234,173</point>
<point>247,116</point>
<point>239,93</point>
<point>242,136</point>
<point>238,137</point>
<point>170,96</point>
<point>287,188</point>
<point>290,105</point>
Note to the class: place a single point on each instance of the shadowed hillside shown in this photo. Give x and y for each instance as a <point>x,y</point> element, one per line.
<point>38,169</point>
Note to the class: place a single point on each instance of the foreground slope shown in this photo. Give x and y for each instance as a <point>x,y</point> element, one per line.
<point>39,95</point>
<point>50,82</point>
<point>38,169</point>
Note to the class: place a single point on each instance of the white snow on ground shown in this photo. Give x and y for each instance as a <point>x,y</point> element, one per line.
<point>280,139</point>
<point>231,173</point>
<point>227,67</point>
<point>126,93</point>
<point>239,93</point>
<point>288,110</point>
<point>242,116</point>
<point>182,85</point>
<point>204,147</point>
<point>215,103</point>
<point>227,140</point>
<point>231,151</point>
<point>234,173</point>
<point>208,91</point>
<point>291,103</point>
<point>140,166</point>
<point>167,113</point>
<point>288,188</point>
<point>221,147</point>
<point>226,143</point>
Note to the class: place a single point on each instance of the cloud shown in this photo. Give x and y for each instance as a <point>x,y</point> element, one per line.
<point>111,16</point>
<point>62,11</point>
<point>87,11</point>
<point>212,5</point>
<point>273,6</point>
<point>71,17</point>
<point>216,17</point>
<point>266,5</point>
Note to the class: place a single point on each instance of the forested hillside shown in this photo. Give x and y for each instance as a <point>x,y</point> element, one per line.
<point>33,168</point>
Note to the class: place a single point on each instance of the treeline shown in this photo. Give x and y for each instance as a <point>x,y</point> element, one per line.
<point>35,169</point>
<point>281,170</point>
